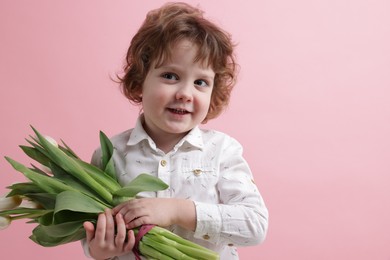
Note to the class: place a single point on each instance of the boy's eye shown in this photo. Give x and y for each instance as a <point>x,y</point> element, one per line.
<point>201,82</point>
<point>170,76</point>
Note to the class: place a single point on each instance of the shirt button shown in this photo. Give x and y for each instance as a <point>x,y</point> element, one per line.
<point>206,237</point>
<point>197,172</point>
<point>163,163</point>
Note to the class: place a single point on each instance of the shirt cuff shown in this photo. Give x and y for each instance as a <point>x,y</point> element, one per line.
<point>85,246</point>
<point>208,222</point>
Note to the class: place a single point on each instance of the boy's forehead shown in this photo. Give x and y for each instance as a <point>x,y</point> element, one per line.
<point>167,54</point>
<point>168,61</point>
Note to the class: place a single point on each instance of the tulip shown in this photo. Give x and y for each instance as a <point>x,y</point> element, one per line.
<point>64,191</point>
<point>46,170</point>
<point>4,222</point>
<point>51,140</point>
<point>31,204</point>
<point>12,202</point>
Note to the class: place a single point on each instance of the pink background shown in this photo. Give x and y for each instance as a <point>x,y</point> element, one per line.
<point>311,109</point>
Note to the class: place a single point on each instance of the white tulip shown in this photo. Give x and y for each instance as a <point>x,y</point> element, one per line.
<point>12,202</point>
<point>51,140</point>
<point>31,204</point>
<point>4,222</point>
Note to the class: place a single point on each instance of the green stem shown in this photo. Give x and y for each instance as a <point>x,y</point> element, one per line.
<point>149,251</point>
<point>30,215</point>
<point>165,248</point>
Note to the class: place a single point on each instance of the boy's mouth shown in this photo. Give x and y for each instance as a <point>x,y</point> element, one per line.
<point>178,111</point>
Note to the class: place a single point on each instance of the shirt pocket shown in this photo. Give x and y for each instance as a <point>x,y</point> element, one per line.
<point>199,175</point>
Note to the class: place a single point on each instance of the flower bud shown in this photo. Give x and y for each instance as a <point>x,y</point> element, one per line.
<point>31,204</point>
<point>51,140</point>
<point>7,203</point>
<point>4,222</point>
<point>46,169</point>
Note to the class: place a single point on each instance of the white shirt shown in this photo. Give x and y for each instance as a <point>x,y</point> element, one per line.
<point>208,168</point>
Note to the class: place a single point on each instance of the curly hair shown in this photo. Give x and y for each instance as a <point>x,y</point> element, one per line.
<point>157,36</point>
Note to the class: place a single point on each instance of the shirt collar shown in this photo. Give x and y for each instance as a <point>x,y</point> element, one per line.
<point>193,138</point>
<point>138,134</point>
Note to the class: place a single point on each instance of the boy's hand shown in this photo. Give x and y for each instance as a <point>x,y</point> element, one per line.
<point>103,242</point>
<point>158,211</point>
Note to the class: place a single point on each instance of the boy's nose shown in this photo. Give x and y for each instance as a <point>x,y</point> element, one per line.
<point>184,93</point>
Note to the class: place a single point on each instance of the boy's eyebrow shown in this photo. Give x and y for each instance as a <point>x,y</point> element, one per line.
<point>175,68</point>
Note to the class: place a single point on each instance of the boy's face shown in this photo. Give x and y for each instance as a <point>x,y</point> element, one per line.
<point>176,96</point>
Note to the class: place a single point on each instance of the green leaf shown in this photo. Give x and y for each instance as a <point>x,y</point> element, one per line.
<point>143,182</point>
<point>78,202</point>
<point>69,216</point>
<point>72,206</point>
<point>100,176</point>
<point>107,148</point>
<point>62,229</point>
<point>46,200</point>
<point>62,175</point>
<point>48,184</point>
<point>38,170</point>
<point>110,168</point>
<point>68,150</point>
<point>40,237</point>
<point>69,164</point>
<point>35,154</point>
<point>36,145</point>
<point>23,211</point>
<point>23,188</point>
<point>107,152</point>
<point>46,219</point>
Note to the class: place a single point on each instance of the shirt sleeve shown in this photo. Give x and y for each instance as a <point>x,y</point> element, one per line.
<point>85,247</point>
<point>96,158</point>
<point>241,218</point>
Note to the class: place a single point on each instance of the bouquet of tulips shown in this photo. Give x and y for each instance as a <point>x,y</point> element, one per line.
<point>68,191</point>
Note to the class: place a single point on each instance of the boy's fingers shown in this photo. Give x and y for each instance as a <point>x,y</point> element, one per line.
<point>100,233</point>
<point>121,231</point>
<point>110,225</point>
<point>130,241</point>
<point>89,230</point>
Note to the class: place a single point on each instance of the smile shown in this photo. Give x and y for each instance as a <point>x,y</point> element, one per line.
<point>178,111</point>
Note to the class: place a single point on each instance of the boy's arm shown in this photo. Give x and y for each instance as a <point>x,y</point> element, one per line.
<point>158,211</point>
<point>241,218</point>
